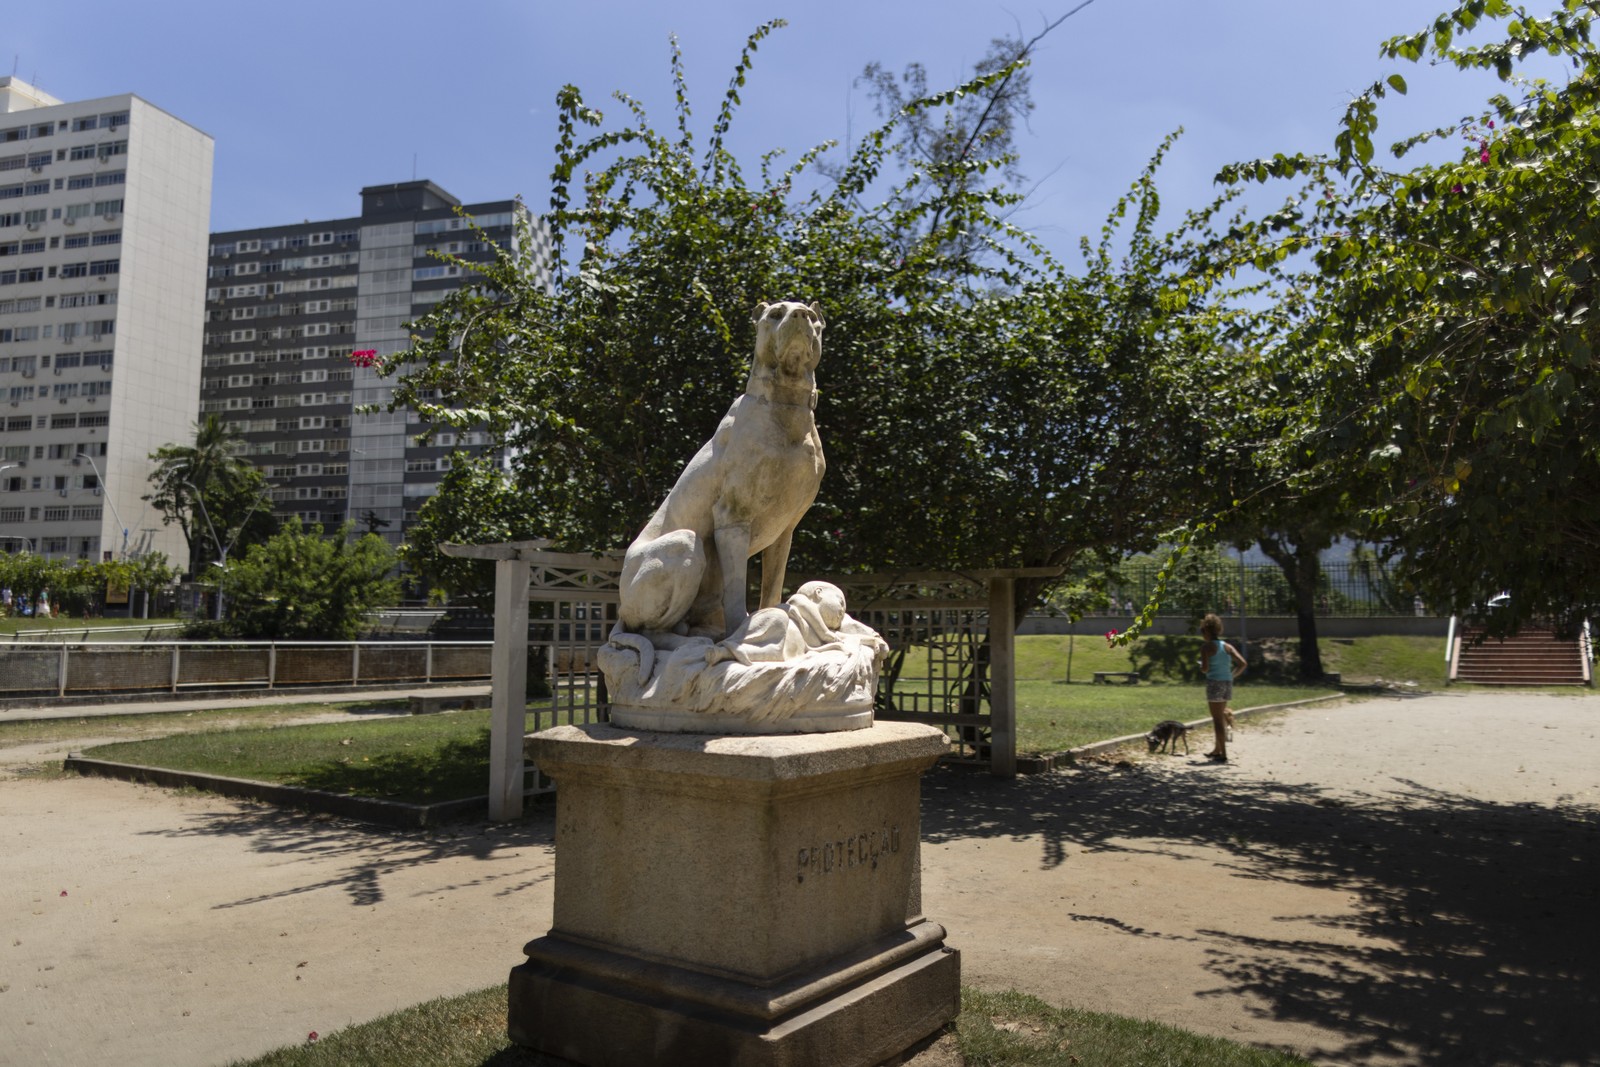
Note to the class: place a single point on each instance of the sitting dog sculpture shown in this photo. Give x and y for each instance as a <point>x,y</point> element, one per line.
<point>743,493</point>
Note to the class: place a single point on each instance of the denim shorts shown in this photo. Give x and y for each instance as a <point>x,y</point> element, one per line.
<point>1218,692</point>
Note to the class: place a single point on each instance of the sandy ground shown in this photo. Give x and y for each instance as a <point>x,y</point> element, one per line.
<point>1380,882</point>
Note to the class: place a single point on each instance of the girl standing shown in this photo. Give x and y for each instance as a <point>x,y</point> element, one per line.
<point>1221,663</point>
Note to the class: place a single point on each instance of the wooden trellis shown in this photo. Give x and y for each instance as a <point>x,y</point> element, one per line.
<point>951,636</point>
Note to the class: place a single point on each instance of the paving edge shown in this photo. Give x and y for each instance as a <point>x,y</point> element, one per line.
<point>1063,759</point>
<point>367,809</point>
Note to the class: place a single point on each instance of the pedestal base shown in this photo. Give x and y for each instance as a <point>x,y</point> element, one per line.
<point>604,1009</point>
<point>751,901</point>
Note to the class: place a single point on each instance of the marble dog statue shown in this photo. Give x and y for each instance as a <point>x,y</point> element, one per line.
<point>743,493</point>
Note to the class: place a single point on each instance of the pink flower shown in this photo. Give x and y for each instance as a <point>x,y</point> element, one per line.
<point>364,357</point>
<point>1455,188</point>
<point>1111,638</point>
<point>312,1036</point>
<point>1484,155</point>
<point>1491,124</point>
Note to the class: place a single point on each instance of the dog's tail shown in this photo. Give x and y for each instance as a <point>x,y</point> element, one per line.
<point>640,644</point>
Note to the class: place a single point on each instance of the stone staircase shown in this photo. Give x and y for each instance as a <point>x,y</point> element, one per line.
<point>1533,656</point>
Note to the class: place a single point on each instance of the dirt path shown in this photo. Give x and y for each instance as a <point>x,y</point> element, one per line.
<point>1388,882</point>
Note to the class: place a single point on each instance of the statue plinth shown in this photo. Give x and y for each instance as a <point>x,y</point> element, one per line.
<point>751,900</point>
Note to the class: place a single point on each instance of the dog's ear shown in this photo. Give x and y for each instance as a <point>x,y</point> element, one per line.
<point>761,309</point>
<point>816,309</point>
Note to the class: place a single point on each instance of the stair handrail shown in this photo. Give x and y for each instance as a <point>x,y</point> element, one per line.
<point>1450,658</point>
<point>1586,647</point>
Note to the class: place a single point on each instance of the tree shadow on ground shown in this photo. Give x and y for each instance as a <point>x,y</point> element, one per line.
<point>1478,917</point>
<point>374,852</point>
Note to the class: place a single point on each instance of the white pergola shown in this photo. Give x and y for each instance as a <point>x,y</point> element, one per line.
<point>514,562</point>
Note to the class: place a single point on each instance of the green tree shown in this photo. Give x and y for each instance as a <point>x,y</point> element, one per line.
<point>977,410</point>
<point>1261,499</point>
<point>300,585</point>
<point>143,575</point>
<point>942,145</point>
<point>477,503</point>
<point>218,499</point>
<point>78,585</point>
<point>1444,312</point>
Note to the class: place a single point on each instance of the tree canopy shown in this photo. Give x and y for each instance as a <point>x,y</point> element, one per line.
<point>981,405</point>
<point>1444,311</point>
<point>216,496</point>
<point>76,586</point>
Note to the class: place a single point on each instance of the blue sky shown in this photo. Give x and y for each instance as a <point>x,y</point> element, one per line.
<point>308,101</point>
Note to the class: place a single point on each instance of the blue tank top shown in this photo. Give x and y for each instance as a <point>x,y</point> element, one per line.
<point>1219,668</point>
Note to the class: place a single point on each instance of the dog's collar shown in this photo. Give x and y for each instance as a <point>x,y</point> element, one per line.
<point>773,391</point>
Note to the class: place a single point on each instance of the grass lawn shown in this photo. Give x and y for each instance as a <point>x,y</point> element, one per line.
<point>1389,658</point>
<point>994,1029</point>
<point>427,759</point>
<point>33,628</point>
<point>35,731</point>
<point>1055,716</point>
<point>421,759</point>
<point>1059,707</point>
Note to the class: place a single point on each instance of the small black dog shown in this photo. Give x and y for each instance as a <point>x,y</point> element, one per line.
<point>1166,734</point>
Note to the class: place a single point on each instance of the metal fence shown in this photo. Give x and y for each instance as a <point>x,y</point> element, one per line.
<point>1357,588</point>
<point>175,666</point>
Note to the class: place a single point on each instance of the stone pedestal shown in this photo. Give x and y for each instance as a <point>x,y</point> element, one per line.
<point>735,900</point>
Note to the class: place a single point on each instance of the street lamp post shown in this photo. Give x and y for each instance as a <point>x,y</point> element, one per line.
<point>107,495</point>
<point>222,549</point>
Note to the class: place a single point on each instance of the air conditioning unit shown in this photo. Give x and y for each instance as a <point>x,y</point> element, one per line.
<point>70,221</point>
<point>63,400</point>
<point>110,216</point>
<point>94,399</point>
<point>58,372</point>
<point>96,490</point>
<point>33,227</point>
<point>27,374</point>
<point>63,492</point>
<point>37,170</point>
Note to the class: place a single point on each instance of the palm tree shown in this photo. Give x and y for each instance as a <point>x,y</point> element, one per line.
<point>212,493</point>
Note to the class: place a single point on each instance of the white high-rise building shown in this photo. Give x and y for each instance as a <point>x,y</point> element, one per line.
<point>104,219</point>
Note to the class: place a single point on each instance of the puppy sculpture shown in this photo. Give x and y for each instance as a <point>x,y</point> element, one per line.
<point>743,493</point>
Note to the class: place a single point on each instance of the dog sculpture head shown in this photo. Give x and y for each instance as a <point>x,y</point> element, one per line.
<point>788,344</point>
